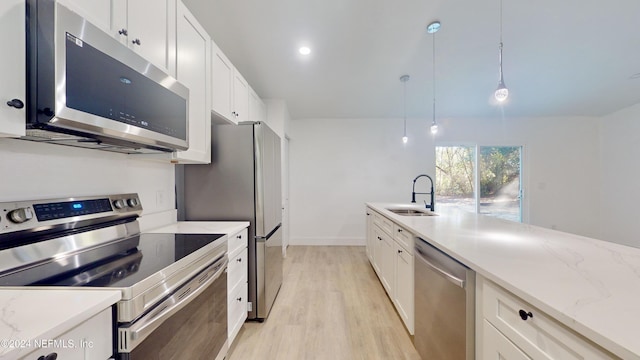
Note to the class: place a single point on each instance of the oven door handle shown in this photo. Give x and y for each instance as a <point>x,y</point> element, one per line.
<point>129,337</point>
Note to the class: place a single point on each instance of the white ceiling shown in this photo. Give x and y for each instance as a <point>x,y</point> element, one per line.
<point>561,58</point>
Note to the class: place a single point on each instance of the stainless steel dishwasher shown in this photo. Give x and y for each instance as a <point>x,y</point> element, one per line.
<point>444,305</point>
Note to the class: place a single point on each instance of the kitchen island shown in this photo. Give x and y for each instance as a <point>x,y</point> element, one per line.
<point>69,322</point>
<point>589,286</point>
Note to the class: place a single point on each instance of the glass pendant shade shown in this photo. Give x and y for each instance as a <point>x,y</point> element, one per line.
<point>502,92</point>
<point>434,128</point>
<point>404,79</point>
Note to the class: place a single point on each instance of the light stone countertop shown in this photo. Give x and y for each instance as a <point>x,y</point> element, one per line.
<point>202,227</point>
<point>589,285</point>
<point>43,314</point>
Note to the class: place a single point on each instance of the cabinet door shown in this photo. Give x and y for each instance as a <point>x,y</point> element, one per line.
<point>403,294</point>
<point>257,108</point>
<point>193,66</point>
<point>12,86</point>
<point>370,240</point>
<point>221,84</point>
<point>91,340</point>
<point>240,97</point>
<point>497,347</point>
<point>98,12</point>
<point>385,260</point>
<point>151,27</point>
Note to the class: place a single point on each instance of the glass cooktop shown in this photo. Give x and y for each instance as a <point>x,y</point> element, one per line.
<point>153,253</point>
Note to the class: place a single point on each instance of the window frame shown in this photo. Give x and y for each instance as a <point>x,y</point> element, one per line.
<point>524,174</point>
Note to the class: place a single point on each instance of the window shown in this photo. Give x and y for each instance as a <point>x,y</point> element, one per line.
<point>494,170</point>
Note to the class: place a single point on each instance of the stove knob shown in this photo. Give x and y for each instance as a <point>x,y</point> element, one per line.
<point>133,202</point>
<point>120,274</point>
<point>119,204</point>
<point>19,216</point>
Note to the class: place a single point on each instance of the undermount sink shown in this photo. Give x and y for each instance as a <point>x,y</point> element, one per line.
<point>412,212</point>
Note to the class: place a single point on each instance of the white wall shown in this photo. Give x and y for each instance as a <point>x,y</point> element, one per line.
<point>279,119</point>
<point>30,171</point>
<point>560,165</point>
<point>339,164</point>
<point>620,196</point>
<point>336,165</point>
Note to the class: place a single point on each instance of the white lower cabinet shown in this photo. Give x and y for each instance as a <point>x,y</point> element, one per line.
<point>91,340</point>
<point>391,255</point>
<point>534,333</point>
<point>237,283</point>
<point>384,258</point>
<point>403,295</point>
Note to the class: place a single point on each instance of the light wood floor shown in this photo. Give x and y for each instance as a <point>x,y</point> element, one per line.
<point>331,306</point>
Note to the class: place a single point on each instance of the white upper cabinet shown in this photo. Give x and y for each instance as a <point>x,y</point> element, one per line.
<point>257,108</point>
<point>193,70</point>
<point>146,26</point>
<point>230,91</point>
<point>221,84</point>
<point>240,98</point>
<point>12,86</point>
<point>151,28</point>
<point>98,12</point>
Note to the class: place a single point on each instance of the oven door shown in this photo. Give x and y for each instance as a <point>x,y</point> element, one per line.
<point>190,324</point>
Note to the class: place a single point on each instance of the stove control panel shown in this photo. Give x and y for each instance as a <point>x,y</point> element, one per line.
<point>27,215</point>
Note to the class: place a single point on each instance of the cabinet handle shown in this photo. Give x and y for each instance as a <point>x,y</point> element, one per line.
<point>239,259</point>
<point>399,230</point>
<point>136,41</point>
<point>379,238</point>
<point>15,103</point>
<point>399,251</point>
<point>123,32</point>
<point>239,299</point>
<point>239,237</point>
<point>52,356</point>
<point>525,315</point>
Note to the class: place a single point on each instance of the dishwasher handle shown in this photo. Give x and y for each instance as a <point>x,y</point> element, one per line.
<point>454,279</point>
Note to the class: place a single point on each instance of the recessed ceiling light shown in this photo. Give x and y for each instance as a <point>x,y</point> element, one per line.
<point>304,50</point>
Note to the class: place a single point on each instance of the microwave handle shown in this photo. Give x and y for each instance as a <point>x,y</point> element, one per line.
<point>130,337</point>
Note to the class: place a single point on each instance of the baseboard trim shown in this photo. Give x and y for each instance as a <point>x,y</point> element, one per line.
<point>326,241</point>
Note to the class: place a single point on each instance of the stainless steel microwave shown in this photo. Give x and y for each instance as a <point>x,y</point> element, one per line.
<point>86,89</point>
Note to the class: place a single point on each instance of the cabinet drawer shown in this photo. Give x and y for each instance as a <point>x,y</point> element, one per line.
<point>236,242</point>
<point>237,269</point>
<point>538,335</point>
<point>403,237</point>
<point>385,224</point>
<point>496,346</point>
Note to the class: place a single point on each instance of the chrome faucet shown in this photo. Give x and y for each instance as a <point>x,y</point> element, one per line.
<point>413,193</point>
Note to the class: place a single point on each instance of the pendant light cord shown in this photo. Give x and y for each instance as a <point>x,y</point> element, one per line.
<point>404,105</point>
<point>501,76</point>
<point>434,78</point>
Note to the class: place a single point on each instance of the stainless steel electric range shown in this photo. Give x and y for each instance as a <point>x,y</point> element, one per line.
<point>174,296</point>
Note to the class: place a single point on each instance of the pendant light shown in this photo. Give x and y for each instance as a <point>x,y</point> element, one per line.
<point>433,29</point>
<point>404,79</point>
<point>501,92</point>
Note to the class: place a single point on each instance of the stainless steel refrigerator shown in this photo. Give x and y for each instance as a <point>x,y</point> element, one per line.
<point>242,183</point>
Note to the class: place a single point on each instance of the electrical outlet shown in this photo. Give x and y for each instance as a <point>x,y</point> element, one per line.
<point>160,198</point>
